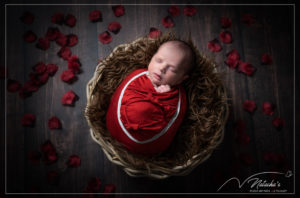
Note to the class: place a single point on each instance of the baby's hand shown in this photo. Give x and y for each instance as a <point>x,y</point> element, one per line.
<point>163,88</point>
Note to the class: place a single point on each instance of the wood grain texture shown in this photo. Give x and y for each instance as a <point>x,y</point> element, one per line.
<point>271,33</point>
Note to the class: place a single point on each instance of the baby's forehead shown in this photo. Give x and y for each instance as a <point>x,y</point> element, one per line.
<point>170,46</point>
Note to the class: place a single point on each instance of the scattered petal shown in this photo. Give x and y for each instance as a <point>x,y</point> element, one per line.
<point>69,98</point>
<point>105,37</point>
<point>214,46</point>
<point>174,10</point>
<point>249,105</point>
<point>233,58</point>
<point>54,123</point>
<point>57,18</point>
<point>65,53</point>
<point>51,69</point>
<point>28,120</point>
<point>246,68</point>
<point>49,152</point>
<point>52,33</point>
<point>74,161</point>
<point>268,108</point>
<point>74,64</point>
<point>39,68</point>
<point>68,76</point>
<point>109,188</point>
<point>154,32</point>
<point>72,40</point>
<point>43,44</point>
<point>226,22</point>
<point>95,16</point>
<point>70,20</point>
<point>44,78</point>
<point>29,37</point>
<point>118,10</point>
<point>13,85</point>
<point>266,59</point>
<point>278,122</point>
<point>114,27</point>
<point>61,39</point>
<point>167,22</point>
<point>225,37</point>
<point>30,86</point>
<point>27,18</point>
<point>189,10</point>
<point>247,19</point>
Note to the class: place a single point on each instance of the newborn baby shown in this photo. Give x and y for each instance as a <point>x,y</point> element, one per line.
<point>148,107</point>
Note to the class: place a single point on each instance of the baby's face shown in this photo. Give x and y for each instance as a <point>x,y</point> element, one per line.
<point>167,66</point>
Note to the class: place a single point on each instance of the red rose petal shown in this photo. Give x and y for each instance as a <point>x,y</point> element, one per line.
<point>30,86</point>
<point>154,32</point>
<point>72,40</point>
<point>24,93</point>
<point>61,39</point>
<point>246,158</point>
<point>167,22</point>
<point>94,184</point>
<point>65,53</point>
<point>28,119</point>
<point>54,123</point>
<point>51,69</point>
<point>189,10</point>
<point>47,146</point>
<point>52,33</point>
<point>68,76</point>
<point>268,108</point>
<point>114,27</point>
<point>44,78</point>
<point>70,20</point>
<point>27,18</point>
<point>68,98</point>
<point>39,68</point>
<point>105,37</point>
<point>43,44</point>
<point>233,58</point>
<point>214,46</point>
<point>109,188</point>
<point>50,157</point>
<point>34,156</point>
<point>53,177</point>
<point>13,85</point>
<point>249,105</point>
<point>248,19</point>
<point>95,16</point>
<point>57,18</point>
<point>29,37</point>
<point>246,68</point>
<point>118,10</point>
<point>174,10</point>
<point>74,161</point>
<point>278,122</point>
<point>225,37</point>
<point>266,59</point>
<point>74,64</point>
<point>34,77</point>
<point>226,22</point>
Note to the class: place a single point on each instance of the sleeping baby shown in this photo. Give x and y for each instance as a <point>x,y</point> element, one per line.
<point>149,105</point>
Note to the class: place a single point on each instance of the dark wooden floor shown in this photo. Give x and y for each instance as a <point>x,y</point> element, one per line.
<point>272,33</point>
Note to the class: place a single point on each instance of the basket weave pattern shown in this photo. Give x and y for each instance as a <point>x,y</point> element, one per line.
<point>202,128</point>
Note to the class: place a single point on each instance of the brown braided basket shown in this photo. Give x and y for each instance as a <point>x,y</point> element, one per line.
<point>202,128</point>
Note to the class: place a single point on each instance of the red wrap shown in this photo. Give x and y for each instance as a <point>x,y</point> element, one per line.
<point>143,120</point>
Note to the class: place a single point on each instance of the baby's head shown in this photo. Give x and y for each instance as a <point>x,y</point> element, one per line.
<point>171,64</point>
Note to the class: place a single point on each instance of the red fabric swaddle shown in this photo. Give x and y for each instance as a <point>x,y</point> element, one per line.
<point>140,118</point>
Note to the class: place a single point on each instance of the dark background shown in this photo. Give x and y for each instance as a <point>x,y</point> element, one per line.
<point>272,32</point>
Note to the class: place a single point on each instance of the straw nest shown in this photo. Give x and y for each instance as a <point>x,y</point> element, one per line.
<point>202,128</point>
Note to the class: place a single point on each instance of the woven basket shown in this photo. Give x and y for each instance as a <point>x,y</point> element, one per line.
<point>202,128</point>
